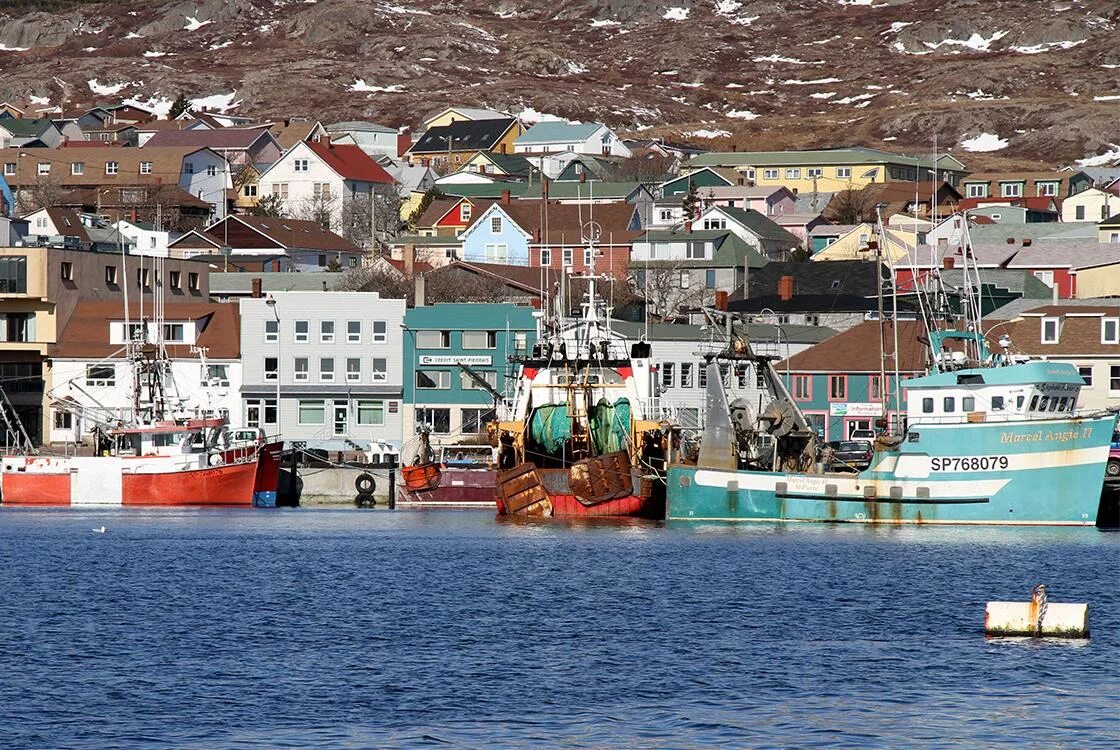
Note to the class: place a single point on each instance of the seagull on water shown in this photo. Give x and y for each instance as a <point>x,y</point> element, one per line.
<point>99,530</point>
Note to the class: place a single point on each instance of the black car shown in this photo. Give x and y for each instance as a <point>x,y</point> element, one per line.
<point>850,455</point>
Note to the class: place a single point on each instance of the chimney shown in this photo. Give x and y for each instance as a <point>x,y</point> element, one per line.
<point>746,277</point>
<point>1054,293</point>
<point>1010,240</point>
<point>409,257</point>
<point>734,147</point>
<point>503,149</point>
<point>535,302</point>
<point>1027,242</point>
<point>420,291</point>
<point>688,226</point>
<point>741,182</point>
<point>258,290</point>
<point>785,288</point>
<point>544,188</point>
<point>721,300</point>
<point>505,197</point>
<point>948,261</point>
<point>583,176</point>
<point>537,234</point>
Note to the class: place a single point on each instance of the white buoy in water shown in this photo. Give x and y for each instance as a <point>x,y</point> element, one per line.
<point>99,530</point>
<point>1038,617</point>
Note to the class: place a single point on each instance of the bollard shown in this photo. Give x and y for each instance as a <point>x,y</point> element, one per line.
<point>1038,617</point>
<point>392,484</point>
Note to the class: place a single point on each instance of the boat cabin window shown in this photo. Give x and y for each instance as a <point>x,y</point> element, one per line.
<point>950,404</point>
<point>1043,403</point>
<point>1034,403</point>
<point>927,406</point>
<point>1019,400</point>
<point>997,403</point>
<point>165,439</point>
<point>968,403</point>
<point>1056,402</point>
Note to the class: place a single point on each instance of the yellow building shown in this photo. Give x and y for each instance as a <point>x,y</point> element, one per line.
<point>449,115</point>
<point>446,148</point>
<point>853,245</point>
<point>829,170</point>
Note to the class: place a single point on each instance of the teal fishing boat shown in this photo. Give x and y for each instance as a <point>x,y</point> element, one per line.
<point>983,438</point>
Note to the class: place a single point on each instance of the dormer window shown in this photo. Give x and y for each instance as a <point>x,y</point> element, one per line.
<point>1011,190</point>
<point>465,212</point>
<point>111,167</point>
<point>1110,330</point>
<point>1050,330</point>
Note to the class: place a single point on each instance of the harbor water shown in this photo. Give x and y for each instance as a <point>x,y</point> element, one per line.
<point>369,629</point>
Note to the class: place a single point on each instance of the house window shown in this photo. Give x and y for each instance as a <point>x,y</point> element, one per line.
<point>546,257</point>
<point>188,167</point>
<point>437,420</point>
<point>710,278</point>
<point>66,271</point>
<point>665,214</point>
<point>588,258</point>
<point>874,388</point>
<point>567,257</point>
<point>686,374</point>
<point>496,253</point>
<point>301,369</point>
<point>480,339</point>
<point>145,167</point>
<point>143,277</point>
<point>1049,330</point>
<point>1011,189</point>
<point>101,375</point>
<point>302,332</point>
<point>812,172</point>
<point>380,370</point>
<point>321,191</point>
<point>9,168</point>
<point>250,190</point>
<point>280,189</point>
<point>464,213</point>
<point>271,368</point>
<point>44,169</point>
<point>253,412</point>
<point>668,375</point>
<point>474,421</point>
<point>702,376</point>
<point>685,279</point>
<point>312,412</point>
<point>793,173</point>
<point>467,383</point>
<point>715,224</point>
<point>837,387</point>
<point>1114,378</point>
<point>175,279</point>
<point>1046,277</point>
<point>802,387</point>
<point>174,333</point>
<point>322,260</point>
<point>353,369</point>
<point>433,339</point>
<point>326,370</point>
<point>429,380</point>
<point>1110,330</point>
<point>272,330</point>
<point>495,225</point>
<point>695,251</point>
<point>844,173</point>
<point>977,190</point>
<point>215,376</point>
<point>192,281</point>
<point>1086,373</point>
<point>77,168</point>
<point>1079,213</point>
<point>371,413</point>
<point>770,174</point>
<point>812,319</point>
<point>379,332</point>
<point>300,165</point>
<point>326,331</point>
<point>1048,189</point>
<point>111,275</point>
<point>112,167</point>
<point>63,420</point>
<point>353,332</point>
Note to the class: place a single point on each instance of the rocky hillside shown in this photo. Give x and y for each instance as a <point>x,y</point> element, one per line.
<point>994,81</point>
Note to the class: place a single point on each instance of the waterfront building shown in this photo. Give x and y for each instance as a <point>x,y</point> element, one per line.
<point>334,361</point>
<point>440,393</point>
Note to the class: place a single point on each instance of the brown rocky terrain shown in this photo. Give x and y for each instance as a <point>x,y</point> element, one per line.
<point>900,74</point>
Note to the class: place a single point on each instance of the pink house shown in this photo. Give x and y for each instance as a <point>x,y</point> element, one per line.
<point>768,201</point>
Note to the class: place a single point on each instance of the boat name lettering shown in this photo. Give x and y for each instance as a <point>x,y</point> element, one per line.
<point>804,484</point>
<point>1063,436</point>
<point>968,463</point>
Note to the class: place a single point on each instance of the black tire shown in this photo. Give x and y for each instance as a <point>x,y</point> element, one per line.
<point>1112,468</point>
<point>364,484</point>
<point>365,500</point>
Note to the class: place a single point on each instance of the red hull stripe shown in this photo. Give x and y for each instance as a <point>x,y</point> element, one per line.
<point>220,485</point>
<point>21,488</point>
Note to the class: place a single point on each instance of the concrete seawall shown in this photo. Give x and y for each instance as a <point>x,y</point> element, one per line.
<point>335,485</point>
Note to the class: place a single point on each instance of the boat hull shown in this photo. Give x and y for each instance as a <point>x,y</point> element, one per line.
<point>111,481</point>
<point>1024,473</point>
<point>548,492</point>
<point>458,488</point>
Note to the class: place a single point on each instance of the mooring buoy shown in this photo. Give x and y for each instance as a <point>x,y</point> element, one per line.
<point>1039,617</point>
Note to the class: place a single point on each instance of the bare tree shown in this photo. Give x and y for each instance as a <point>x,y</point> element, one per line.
<point>46,192</point>
<point>386,213</point>
<point>448,284</point>
<point>317,208</point>
<point>667,288</point>
<point>851,206</point>
<point>648,168</point>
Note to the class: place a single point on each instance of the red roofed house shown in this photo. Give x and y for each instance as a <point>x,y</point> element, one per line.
<point>449,217</point>
<point>275,243</point>
<point>317,178</point>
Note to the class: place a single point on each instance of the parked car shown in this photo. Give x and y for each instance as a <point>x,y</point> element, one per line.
<point>850,455</point>
<point>1112,468</point>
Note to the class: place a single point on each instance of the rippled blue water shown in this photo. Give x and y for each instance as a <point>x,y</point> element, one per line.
<point>347,629</point>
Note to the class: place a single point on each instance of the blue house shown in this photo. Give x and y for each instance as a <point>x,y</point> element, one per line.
<point>496,238</point>
<point>437,391</point>
<point>837,382</point>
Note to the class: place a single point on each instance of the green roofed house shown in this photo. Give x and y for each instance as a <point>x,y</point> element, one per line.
<point>758,231</point>
<point>829,170</point>
<point>555,137</point>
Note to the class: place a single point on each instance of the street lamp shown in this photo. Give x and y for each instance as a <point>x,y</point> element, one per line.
<point>271,302</point>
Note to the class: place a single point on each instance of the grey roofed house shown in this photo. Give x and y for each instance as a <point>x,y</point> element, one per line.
<point>811,203</point>
<point>838,278</point>
<point>1016,308</point>
<point>358,126</point>
<point>1014,280</point>
<point>983,233</point>
<point>557,132</point>
<point>241,284</point>
<point>765,228</point>
<point>1102,176</point>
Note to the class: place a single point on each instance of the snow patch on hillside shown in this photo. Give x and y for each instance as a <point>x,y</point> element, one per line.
<point>798,82</point>
<point>598,24</point>
<point>39,99</point>
<point>707,134</point>
<point>528,115</point>
<point>217,102</point>
<point>6,48</point>
<point>975,42</point>
<point>360,86</point>
<point>1109,98</point>
<point>158,105</point>
<point>984,142</point>
<point>1035,49</point>
<point>1102,160</point>
<point>193,24</point>
<point>742,114</point>
<point>108,89</point>
<point>676,14</point>
<point>154,53</point>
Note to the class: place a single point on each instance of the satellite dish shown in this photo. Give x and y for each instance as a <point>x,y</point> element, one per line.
<point>591,231</point>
